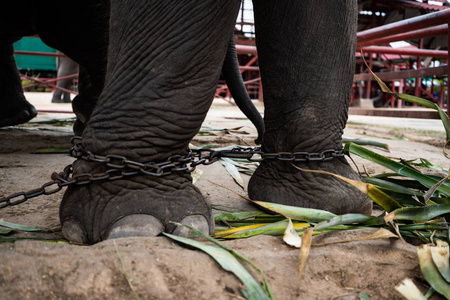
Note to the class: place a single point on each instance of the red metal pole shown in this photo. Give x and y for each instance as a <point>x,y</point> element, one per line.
<point>423,21</point>
<point>405,51</point>
<point>242,49</point>
<point>448,72</point>
<point>421,33</point>
<point>20,52</point>
<point>419,79</point>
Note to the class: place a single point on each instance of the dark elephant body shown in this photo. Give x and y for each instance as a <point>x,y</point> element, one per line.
<point>55,22</point>
<point>161,77</point>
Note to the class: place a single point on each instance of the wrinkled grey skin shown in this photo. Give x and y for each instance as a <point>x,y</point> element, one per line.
<point>58,25</point>
<point>156,75</point>
<point>82,31</point>
<point>64,67</point>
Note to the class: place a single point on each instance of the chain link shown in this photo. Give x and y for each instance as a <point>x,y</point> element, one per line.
<point>119,167</point>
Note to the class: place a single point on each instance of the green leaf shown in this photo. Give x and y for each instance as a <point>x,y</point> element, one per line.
<point>365,143</point>
<point>423,213</point>
<point>232,170</point>
<point>396,167</point>
<point>429,104</point>
<point>392,186</point>
<point>297,213</point>
<point>228,262</point>
<point>4,230</point>
<point>21,227</point>
<point>344,220</point>
<point>60,150</point>
<point>237,216</point>
<point>275,229</point>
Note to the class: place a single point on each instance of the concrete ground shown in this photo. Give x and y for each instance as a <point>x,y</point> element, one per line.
<point>42,101</point>
<point>160,269</point>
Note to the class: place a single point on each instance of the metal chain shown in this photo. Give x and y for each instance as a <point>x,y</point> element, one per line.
<point>119,167</point>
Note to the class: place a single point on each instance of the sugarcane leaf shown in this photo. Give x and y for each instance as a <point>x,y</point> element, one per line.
<point>400,169</point>
<point>440,255</point>
<point>296,213</point>
<point>291,236</point>
<point>276,229</point>
<point>409,290</point>
<point>430,271</point>
<point>229,263</point>
<point>304,253</point>
<point>379,234</point>
<point>4,230</point>
<point>196,175</point>
<point>21,227</point>
<point>344,220</point>
<point>423,213</point>
<point>232,170</point>
<point>433,189</point>
<point>391,186</point>
<point>382,85</point>
<point>239,232</point>
<point>366,143</point>
<point>197,232</point>
<point>237,216</point>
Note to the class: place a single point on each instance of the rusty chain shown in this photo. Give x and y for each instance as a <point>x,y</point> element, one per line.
<point>119,167</point>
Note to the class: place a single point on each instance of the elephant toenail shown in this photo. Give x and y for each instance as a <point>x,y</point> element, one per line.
<point>197,221</point>
<point>136,225</point>
<point>73,231</point>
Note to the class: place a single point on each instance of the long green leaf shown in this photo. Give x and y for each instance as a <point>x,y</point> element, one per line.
<point>232,170</point>
<point>228,262</point>
<point>344,220</point>
<point>276,229</point>
<point>365,143</point>
<point>423,213</point>
<point>21,227</point>
<point>297,213</point>
<point>4,230</point>
<point>242,215</point>
<point>429,104</point>
<point>392,186</point>
<point>396,167</point>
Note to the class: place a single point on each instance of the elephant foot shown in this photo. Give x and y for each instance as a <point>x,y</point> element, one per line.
<point>18,114</point>
<point>138,206</point>
<point>279,182</point>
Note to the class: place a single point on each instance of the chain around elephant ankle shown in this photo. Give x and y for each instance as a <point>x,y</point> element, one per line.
<point>194,157</point>
<point>119,167</point>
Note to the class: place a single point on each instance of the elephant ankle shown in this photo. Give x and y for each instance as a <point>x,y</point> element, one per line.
<point>280,182</point>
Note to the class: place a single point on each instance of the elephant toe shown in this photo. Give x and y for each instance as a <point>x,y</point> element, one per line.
<point>136,225</point>
<point>74,231</point>
<point>198,222</point>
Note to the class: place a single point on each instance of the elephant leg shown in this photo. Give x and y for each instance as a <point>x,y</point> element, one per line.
<point>14,108</point>
<point>66,67</point>
<point>164,61</point>
<point>306,52</point>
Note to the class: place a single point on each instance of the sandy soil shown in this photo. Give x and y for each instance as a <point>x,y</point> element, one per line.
<point>161,269</point>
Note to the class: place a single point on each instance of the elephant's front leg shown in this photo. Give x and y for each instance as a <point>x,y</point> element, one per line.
<point>164,61</point>
<point>306,51</point>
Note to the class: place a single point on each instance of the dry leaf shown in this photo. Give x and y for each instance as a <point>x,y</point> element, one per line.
<point>304,252</point>
<point>291,236</point>
<point>379,234</point>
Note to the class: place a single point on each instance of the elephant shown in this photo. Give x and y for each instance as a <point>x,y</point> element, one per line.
<point>64,67</point>
<point>85,42</point>
<point>164,61</point>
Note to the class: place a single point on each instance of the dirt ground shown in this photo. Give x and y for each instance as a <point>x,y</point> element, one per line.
<point>160,269</point>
